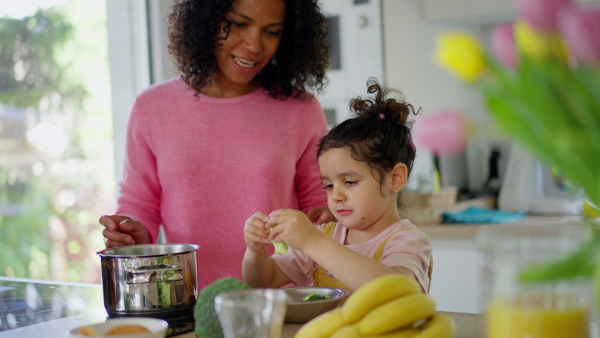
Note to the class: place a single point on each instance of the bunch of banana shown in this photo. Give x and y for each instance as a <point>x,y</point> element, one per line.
<point>390,306</point>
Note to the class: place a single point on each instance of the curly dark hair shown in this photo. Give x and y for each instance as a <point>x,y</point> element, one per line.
<point>378,134</point>
<point>302,56</point>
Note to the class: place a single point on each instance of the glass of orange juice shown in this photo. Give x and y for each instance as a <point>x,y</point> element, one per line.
<point>557,308</point>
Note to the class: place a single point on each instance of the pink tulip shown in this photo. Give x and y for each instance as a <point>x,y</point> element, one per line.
<point>541,14</point>
<point>443,132</point>
<point>580,26</point>
<point>503,45</point>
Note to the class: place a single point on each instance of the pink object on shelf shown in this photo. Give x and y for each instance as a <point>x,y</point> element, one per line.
<point>443,132</point>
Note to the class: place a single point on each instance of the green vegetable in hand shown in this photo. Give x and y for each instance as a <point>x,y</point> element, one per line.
<point>281,248</point>
<point>205,315</point>
<point>314,296</point>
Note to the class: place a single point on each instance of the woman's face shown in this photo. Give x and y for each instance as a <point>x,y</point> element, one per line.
<point>256,30</point>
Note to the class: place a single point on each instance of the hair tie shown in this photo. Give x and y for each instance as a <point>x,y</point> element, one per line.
<point>381,116</point>
<point>410,141</point>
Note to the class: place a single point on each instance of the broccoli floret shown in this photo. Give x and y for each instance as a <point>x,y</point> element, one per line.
<point>281,248</point>
<point>205,315</point>
<point>314,296</point>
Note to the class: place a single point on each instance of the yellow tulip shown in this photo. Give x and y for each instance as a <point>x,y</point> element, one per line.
<point>590,209</point>
<point>559,47</point>
<point>461,54</point>
<point>532,43</point>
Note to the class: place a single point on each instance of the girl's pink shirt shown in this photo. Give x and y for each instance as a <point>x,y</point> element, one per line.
<point>409,248</point>
<point>201,166</point>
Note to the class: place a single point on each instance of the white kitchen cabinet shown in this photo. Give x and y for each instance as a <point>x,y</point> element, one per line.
<point>409,45</point>
<point>467,10</point>
<point>472,11</point>
<point>455,282</point>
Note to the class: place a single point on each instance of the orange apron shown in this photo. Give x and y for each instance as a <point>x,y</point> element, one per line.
<point>319,274</point>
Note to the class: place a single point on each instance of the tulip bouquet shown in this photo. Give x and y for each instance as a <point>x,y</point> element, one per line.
<point>542,82</point>
<point>540,79</point>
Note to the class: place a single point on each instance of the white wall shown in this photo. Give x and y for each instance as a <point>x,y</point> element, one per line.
<point>409,45</point>
<point>138,56</point>
<point>361,53</point>
<point>161,64</point>
<point>129,64</point>
<point>410,28</point>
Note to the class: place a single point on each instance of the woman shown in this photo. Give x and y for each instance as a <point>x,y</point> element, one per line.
<point>235,133</point>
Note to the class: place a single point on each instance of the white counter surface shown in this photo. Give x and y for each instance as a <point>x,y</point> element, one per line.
<point>462,236</point>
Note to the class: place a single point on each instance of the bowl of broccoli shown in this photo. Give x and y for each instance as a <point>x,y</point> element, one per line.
<point>305,303</point>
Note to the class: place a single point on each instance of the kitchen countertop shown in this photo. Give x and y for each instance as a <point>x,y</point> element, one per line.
<point>463,235</point>
<point>467,325</point>
<point>65,306</point>
<point>81,304</point>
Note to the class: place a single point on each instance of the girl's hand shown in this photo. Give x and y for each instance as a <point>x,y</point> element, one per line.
<point>122,231</point>
<point>320,215</point>
<point>256,234</point>
<point>291,226</point>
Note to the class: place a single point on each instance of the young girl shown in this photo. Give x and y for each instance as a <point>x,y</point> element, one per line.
<point>364,162</point>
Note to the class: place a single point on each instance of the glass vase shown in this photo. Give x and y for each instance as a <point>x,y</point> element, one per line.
<point>518,307</point>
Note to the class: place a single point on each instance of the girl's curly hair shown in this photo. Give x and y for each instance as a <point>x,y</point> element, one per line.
<point>302,56</point>
<point>378,134</point>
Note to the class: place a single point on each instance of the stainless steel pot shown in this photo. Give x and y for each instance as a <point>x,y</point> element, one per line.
<point>152,280</point>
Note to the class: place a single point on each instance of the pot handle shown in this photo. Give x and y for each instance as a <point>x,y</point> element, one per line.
<point>155,274</point>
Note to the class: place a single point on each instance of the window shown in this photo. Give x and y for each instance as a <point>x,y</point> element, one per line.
<point>56,155</point>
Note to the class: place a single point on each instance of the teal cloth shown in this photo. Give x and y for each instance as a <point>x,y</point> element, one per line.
<point>477,215</point>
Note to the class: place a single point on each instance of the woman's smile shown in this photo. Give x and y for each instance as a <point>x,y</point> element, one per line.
<point>244,64</point>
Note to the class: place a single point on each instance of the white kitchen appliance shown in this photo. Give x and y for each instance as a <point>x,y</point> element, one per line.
<point>356,40</point>
<point>532,186</point>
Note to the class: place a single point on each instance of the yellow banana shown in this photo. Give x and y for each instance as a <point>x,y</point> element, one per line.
<point>396,314</point>
<point>404,333</point>
<point>375,293</point>
<point>346,331</point>
<point>323,325</point>
<point>351,331</point>
<point>438,326</point>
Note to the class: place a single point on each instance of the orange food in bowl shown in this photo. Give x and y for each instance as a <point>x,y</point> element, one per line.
<point>87,331</point>
<point>126,329</point>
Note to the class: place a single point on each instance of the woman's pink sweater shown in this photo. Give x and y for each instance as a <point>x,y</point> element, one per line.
<point>201,166</point>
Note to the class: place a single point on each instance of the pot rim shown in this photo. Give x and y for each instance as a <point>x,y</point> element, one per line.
<point>186,247</point>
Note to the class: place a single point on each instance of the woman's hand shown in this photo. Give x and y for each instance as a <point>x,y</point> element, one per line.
<point>320,215</point>
<point>291,226</point>
<point>122,230</point>
<point>256,234</point>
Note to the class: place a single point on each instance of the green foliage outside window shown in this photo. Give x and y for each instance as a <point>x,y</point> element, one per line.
<point>55,143</point>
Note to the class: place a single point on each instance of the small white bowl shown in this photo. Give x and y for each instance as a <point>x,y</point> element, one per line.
<point>158,328</point>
